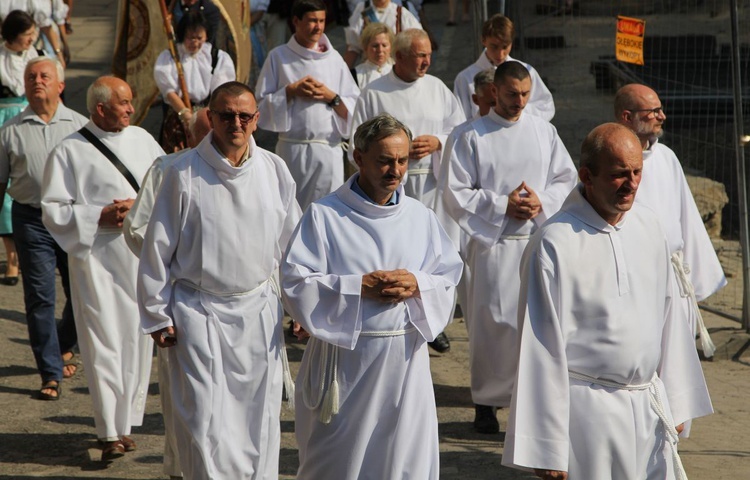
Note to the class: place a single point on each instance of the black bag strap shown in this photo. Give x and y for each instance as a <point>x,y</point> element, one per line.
<point>110,156</point>
<point>214,58</point>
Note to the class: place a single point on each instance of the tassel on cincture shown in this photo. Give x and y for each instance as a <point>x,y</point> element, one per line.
<point>330,405</point>
<point>708,346</point>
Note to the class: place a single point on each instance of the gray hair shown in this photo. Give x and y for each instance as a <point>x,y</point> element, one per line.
<point>403,41</point>
<point>377,128</point>
<point>98,92</point>
<point>485,77</point>
<point>42,58</point>
<point>602,142</point>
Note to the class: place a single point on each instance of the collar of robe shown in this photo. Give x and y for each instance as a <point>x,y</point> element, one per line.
<point>493,116</point>
<point>402,83</point>
<point>103,133</point>
<point>368,209</point>
<point>651,149</point>
<point>580,208</point>
<point>219,162</point>
<point>311,54</point>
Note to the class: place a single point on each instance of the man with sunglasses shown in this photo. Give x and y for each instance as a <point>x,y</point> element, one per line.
<point>207,292</point>
<point>664,189</point>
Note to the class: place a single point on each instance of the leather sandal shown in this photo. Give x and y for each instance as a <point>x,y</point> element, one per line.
<point>51,385</point>
<point>112,450</point>
<point>70,365</point>
<point>128,443</point>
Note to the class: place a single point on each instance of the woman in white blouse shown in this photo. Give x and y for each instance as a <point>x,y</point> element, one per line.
<point>205,68</point>
<point>376,41</point>
<point>19,34</point>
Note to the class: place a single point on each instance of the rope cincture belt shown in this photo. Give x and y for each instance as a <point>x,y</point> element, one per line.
<point>287,373</point>
<point>681,270</point>
<point>327,397</point>
<point>515,236</point>
<point>656,405</point>
<point>419,171</point>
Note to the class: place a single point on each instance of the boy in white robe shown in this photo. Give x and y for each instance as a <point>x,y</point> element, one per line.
<point>507,174</point>
<point>698,273</point>
<point>498,34</point>
<point>306,92</point>
<point>206,290</point>
<point>606,368</point>
<point>370,274</point>
<point>84,201</point>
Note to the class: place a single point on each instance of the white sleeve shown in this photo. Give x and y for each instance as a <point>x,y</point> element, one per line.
<point>165,74</point>
<point>224,71</point>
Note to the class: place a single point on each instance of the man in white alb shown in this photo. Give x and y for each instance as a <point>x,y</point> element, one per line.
<point>207,292</point>
<point>664,189</point>
<point>426,106</point>
<point>498,34</point>
<point>85,198</point>
<point>306,93</point>
<point>507,174</point>
<point>607,369</point>
<point>370,275</point>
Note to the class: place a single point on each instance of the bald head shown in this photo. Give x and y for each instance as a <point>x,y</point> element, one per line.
<point>109,101</point>
<point>611,166</point>
<point>639,108</point>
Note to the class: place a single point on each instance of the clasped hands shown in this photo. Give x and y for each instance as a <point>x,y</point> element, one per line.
<point>523,203</point>
<point>390,286</point>
<point>309,87</point>
<point>113,214</point>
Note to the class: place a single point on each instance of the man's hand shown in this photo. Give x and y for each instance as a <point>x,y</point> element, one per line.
<point>113,214</point>
<point>550,474</point>
<point>523,203</point>
<point>423,145</point>
<point>165,338</point>
<point>310,88</point>
<point>298,331</point>
<point>392,286</point>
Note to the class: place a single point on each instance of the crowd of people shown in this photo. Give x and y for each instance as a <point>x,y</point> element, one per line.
<point>579,286</point>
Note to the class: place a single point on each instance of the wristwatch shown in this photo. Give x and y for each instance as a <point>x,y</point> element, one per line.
<point>335,102</point>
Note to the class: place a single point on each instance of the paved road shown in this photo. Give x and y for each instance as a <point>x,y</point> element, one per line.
<point>57,440</point>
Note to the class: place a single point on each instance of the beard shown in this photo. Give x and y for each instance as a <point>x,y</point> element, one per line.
<point>643,129</point>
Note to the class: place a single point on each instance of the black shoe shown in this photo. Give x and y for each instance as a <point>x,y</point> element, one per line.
<point>441,344</point>
<point>485,420</point>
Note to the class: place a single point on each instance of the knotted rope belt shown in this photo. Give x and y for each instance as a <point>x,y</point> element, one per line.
<point>681,270</point>
<point>656,405</point>
<point>327,397</point>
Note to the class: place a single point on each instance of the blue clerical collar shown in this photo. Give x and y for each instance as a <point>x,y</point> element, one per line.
<point>358,190</point>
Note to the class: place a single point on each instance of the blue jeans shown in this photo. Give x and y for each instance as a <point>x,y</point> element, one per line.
<point>38,256</point>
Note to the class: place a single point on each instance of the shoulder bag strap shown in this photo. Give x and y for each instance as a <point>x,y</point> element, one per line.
<point>110,156</point>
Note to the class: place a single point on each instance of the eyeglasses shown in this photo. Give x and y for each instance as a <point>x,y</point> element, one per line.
<point>651,111</point>
<point>228,117</point>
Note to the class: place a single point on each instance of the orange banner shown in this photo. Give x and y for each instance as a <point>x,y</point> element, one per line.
<point>629,42</point>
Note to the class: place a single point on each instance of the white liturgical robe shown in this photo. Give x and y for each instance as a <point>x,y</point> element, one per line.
<point>212,247</point>
<point>78,182</point>
<point>540,101</point>
<point>600,347</point>
<point>310,132</point>
<point>386,426</point>
<point>664,189</point>
<point>487,162</point>
<point>201,78</point>
<point>427,107</point>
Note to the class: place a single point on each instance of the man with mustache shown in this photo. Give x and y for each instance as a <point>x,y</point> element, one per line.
<point>306,93</point>
<point>370,275</point>
<point>607,368</point>
<point>698,273</point>
<point>507,174</point>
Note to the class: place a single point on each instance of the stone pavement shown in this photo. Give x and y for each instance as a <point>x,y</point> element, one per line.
<point>57,440</point>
